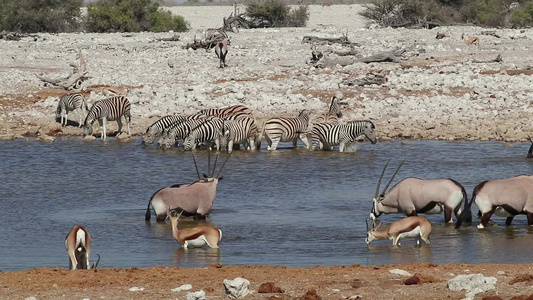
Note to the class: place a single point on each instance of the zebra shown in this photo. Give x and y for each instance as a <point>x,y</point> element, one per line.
<point>331,134</point>
<point>334,113</point>
<point>158,127</point>
<point>71,102</point>
<point>178,131</point>
<point>235,110</point>
<point>241,130</point>
<point>205,132</point>
<point>286,129</point>
<point>109,109</point>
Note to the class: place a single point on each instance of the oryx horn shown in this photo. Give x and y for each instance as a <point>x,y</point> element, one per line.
<point>214,166</point>
<point>392,178</point>
<point>196,166</point>
<point>224,164</point>
<point>208,162</point>
<point>380,178</point>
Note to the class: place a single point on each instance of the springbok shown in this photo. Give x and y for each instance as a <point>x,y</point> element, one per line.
<point>414,226</point>
<point>196,237</point>
<point>194,199</point>
<point>412,196</point>
<point>78,245</point>
<point>471,41</point>
<point>505,198</point>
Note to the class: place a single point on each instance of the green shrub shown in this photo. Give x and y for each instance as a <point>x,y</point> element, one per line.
<point>406,12</point>
<point>485,12</point>
<point>131,16</point>
<point>40,15</point>
<point>276,13</point>
<point>522,16</point>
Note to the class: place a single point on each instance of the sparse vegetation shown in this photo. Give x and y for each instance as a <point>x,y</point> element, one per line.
<point>131,16</point>
<point>276,13</point>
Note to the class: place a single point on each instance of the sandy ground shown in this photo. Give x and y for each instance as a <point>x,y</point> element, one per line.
<point>438,91</point>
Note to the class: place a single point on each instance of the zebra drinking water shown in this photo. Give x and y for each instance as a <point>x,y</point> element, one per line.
<point>70,103</point>
<point>178,131</point>
<point>331,134</point>
<point>241,130</point>
<point>109,109</point>
<point>279,129</point>
<point>158,127</point>
<point>205,132</point>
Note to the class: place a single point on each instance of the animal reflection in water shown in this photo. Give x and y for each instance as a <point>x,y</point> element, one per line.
<point>410,227</point>
<point>207,256</point>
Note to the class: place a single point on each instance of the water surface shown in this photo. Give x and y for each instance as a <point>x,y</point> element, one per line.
<point>290,207</point>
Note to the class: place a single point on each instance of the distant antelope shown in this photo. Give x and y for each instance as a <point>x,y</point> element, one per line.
<point>472,41</point>
<point>505,198</point>
<point>221,49</point>
<point>412,196</point>
<point>195,237</point>
<point>109,109</point>
<point>78,245</point>
<point>71,102</point>
<point>416,227</point>
<point>530,151</point>
<point>326,4</point>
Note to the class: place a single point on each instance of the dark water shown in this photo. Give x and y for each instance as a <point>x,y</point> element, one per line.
<point>290,207</point>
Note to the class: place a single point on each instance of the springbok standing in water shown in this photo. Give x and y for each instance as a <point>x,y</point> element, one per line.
<point>194,199</point>
<point>78,245</point>
<point>412,196</point>
<point>417,227</point>
<point>505,198</point>
<point>195,237</point>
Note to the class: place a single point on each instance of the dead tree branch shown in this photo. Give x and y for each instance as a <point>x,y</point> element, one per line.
<point>391,56</point>
<point>498,59</point>
<point>343,40</point>
<point>75,80</point>
<point>213,37</point>
<point>377,79</point>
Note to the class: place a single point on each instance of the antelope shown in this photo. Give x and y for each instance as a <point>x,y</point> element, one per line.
<point>505,198</point>
<point>221,49</point>
<point>196,237</point>
<point>414,226</point>
<point>326,4</point>
<point>471,41</point>
<point>194,199</point>
<point>412,196</point>
<point>78,245</point>
<point>530,151</point>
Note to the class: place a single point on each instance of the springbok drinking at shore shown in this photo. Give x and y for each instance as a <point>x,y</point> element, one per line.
<point>416,227</point>
<point>78,245</point>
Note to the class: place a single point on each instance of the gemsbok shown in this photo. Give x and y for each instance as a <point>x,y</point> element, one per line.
<point>78,245</point>
<point>196,237</point>
<point>409,227</point>
<point>221,49</point>
<point>194,199</point>
<point>505,198</point>
<point>412,196</point>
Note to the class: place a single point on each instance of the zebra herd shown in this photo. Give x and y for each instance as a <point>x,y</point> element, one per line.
<point>224,127</point>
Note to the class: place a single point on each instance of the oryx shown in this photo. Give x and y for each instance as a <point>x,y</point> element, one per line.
<point>505,198</point>
<point>194,199</point>
<point>412,196</point>
<point>414,226</point>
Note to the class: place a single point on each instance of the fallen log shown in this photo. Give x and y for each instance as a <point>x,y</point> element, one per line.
<point>75,80</point>
<point>498,59</point>
<point>377,79</point>
<point>343,40</point>
<point>391,56</point>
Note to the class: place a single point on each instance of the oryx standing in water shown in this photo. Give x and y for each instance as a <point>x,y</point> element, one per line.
<point>505,198</point>
<point>412,196</point>
<point>194,199</point>
<point>415,226</point>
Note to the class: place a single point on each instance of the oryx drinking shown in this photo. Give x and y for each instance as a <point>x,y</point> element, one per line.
<point>412,196</point>
<point>505,198</point>
<point>194,199</point>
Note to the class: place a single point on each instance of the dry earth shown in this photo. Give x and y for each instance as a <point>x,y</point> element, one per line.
<point>438,90</point>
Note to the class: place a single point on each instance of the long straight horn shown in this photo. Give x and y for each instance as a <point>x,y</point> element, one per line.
<point>224,164</point>
<point>392,178</point>
<point>214,166</point>
<point>208,162</point>
<point>380,178</point>
<point>196,166</point>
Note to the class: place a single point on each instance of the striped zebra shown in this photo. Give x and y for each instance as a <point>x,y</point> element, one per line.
<point>242,130</point>
<point>158,127</point>
<point>279,129</point>
<point>70,103</point>
<point>205,132</point>
<point>109,109</point>
<point>235,110</point>
<point>331,134</point>
<point>334,113</point>
<point>178,131</point>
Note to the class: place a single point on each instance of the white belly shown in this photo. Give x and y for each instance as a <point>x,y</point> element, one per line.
<point>501,212</point>
<point>410,234</point>
<point>199,242</point>
<point>438,209</point>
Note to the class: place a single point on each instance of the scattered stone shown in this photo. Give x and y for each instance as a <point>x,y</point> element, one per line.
<point>269,287</point>
<point>200,295</point>
<point>412,280</point>
<point>45,138</point>
<point>31,298</point>
<point>236,288</point>
<point>400,272</point>
<point>136,289</point>
<point>89,138</point>
<point>355,297</point>
<point>491,298</point>
<point>184,287</point>
<point>356,283</point>
<point>311,295</point>
<point>472,283</point>
<point>522,278</point>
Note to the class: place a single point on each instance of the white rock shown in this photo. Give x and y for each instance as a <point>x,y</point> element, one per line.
<point>472,283</point>
<point>184,287</point>
<point>400,272</point>
<point>236,288</point>
<point>200,295</point>
<point>136,289</point>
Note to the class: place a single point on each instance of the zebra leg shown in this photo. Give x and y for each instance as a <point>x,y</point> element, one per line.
<point>119,122</point>
<point>273,144</point>
<point>341,146</point>
<point>303,138</point>
<point>64,119</point>
<point>128,122</point>
<point>230,146</point>
<point>103,134</point>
